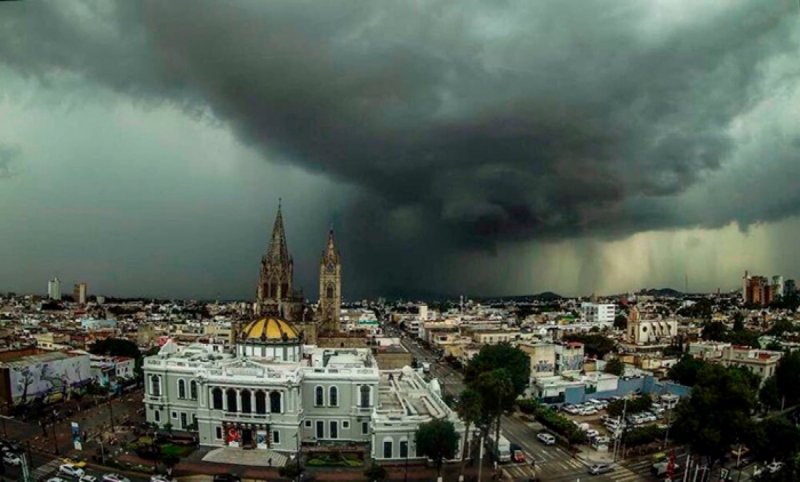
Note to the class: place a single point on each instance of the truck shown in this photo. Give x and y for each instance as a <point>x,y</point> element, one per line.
<point>502,450</point>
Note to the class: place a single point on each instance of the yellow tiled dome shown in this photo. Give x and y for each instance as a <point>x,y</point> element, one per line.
<point>270,329</point>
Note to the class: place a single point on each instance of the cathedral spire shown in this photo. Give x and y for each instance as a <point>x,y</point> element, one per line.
<point>277,247</point>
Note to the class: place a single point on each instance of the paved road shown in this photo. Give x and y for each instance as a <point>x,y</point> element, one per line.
<point>553,463</point>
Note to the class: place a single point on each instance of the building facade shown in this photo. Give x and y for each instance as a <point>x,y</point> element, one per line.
<point>54,289</point>
<point>598,312</point>
<point>273,392</point>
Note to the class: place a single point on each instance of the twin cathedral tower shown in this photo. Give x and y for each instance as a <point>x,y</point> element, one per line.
<point>277,296</point>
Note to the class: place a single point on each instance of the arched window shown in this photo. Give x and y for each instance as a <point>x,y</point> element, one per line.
<point>246,401</point>
<point>216,398</point>
<point>261,402</point>
<point>193,389</point>
<point>333,397</point>
<point>275,402</point>
<point>231,399</point>
<point>329,293</point>
<point>365,396</point>
<point>181,388</point>
<point>319,397</point>
<point>155,385</point>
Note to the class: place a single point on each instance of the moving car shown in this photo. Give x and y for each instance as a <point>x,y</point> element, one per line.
<point>71,470</point>
<point>660,468</point>
<point>597,469</point>
<point>77,463</point>
<point>115,478</point>
<point>546,438</point>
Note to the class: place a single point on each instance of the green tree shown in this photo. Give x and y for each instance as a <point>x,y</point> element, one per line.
<point>376,472</point>
<point>787,378</point>
<point>594,344</point>
<point>437,440</point>
<point>638,404</point>
<point>119,347</point>
<point>469,408</point>
<point>499,396</point>
<point>780,327</point>
<point>686,370</point>
<point>775,438</point>
<point>615,366</point>
<point>768,395</point>
<point>714,330</point>
<point>620,322</point>
<point>717,413</point>
<point>502,355</point>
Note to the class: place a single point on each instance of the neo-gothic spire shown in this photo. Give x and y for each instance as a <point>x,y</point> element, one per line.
<point>331,254</point>
<point>277,246</point>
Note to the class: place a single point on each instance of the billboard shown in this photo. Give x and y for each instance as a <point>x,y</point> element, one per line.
<point>48,377</point>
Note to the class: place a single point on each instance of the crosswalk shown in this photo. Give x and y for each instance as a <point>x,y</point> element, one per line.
<point>42,471</point>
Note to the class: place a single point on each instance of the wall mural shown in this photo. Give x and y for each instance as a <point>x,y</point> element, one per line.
<point>43,380</point>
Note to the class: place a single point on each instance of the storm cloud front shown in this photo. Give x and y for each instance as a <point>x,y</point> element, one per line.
<point>450,144</point>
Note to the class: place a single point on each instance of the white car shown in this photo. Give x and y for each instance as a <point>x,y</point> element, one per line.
<point>546,438</point>
<point>71,470</point>
<point>160,478</point>
<point>11,459</point>
<point>774,467</point>
<point>88,478</point>
<point>591,433</point>
<point>56,479</point>
<point>115,478</point>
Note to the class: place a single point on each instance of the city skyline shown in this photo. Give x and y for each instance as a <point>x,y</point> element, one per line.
<point>500,151</point>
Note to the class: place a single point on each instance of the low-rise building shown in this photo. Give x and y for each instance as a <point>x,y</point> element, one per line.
<point>756,361</point>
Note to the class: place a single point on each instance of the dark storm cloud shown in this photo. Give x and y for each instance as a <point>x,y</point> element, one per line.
<point>461,125</point>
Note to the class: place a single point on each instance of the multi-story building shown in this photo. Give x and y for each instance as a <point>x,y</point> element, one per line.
<point>79,293</point>
<point>54,289</point>
<point>757,290</point>
<point>598,312</point>
<point>758,362</point>
<point>273,392</point>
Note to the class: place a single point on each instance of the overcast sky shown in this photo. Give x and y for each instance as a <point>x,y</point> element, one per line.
<point>456,147</point>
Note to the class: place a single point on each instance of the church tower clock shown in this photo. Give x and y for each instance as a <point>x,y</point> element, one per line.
<point>330,287</point>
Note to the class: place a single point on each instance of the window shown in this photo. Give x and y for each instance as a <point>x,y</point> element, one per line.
<point>218,433</point>
<point>308,423</point>
<point>329,292</point>
<point>174,414</point>
<point>193,389</point>
<point>155,385</point>
<point>320,429</point>
<point>276,437</point>
<point>364,428</point>
<point>345,423</point>
<point>334,433</point>
<point>216,398</point>
<point>246,401</point>
<point>261,402</point>
<point>231,399</point>
<point>319,395</point>
<point>387,448</point>
<point>403,449</point>
<point>184,420</point>
<point>275,402</point>
<point>157,416</point>
<point>181,388</point>
<point>333,397</point>
<point>365,396</point>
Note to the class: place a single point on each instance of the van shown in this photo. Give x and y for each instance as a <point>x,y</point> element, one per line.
<point>502,450</point>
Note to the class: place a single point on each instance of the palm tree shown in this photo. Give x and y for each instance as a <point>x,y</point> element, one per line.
<point>469,409</point>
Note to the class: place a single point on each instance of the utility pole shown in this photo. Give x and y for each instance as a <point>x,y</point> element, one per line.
<point>111,414</point>
<point>480,457</point>
<point>620,429</point>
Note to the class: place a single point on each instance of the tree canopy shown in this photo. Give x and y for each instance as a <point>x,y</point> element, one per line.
<point>774,438</point>
<point>787,377</point>
<point>717,414</point>
<point>615,366</point>
<point>639,404</point>
<point>514,361</point>
<point>594,344</point>
<point>686,370</point>
<point>437,440</point>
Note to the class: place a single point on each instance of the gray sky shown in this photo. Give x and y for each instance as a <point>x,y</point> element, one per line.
<point>510,147</point>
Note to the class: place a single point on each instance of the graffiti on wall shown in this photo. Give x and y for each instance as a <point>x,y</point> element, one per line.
<point>48,379</point>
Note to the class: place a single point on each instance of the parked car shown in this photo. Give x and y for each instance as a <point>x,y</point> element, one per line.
<point>546,438</point>
<point>87,478</point>
<point>71,470</point>
<point>160,478</point>
<point>77,463</point>
<point>115,478</point>
<point>11,459</point>
<point>56,479</point>
<point>598,469</point>
<point>591,433</point>
<point>774,467</point>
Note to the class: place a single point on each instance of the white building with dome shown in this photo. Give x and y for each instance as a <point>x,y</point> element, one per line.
<point>273,390</point>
